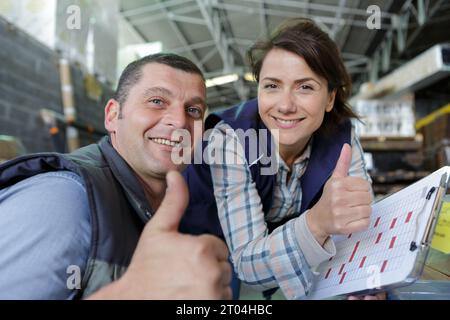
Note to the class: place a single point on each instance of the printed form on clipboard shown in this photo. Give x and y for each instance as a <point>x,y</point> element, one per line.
<point>392,251</point>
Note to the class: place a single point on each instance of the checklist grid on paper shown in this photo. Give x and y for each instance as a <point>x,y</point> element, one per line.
<point>383,246</point>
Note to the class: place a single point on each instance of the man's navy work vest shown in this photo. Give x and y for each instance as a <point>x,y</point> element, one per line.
<point>118,206</point>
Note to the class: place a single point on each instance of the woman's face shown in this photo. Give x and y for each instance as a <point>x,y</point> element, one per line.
<point>292,99</point>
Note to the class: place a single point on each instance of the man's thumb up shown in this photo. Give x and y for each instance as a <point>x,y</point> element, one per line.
<point>171,210</point>
<point>343,163</point>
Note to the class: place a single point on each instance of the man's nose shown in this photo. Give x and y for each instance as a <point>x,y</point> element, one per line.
<point>176,117</point>
<point>286,103</point>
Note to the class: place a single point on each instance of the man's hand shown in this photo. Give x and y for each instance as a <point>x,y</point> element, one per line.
<point>345,203</point>
<point>169,265</point>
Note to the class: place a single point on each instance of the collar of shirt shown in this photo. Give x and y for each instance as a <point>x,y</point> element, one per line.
<point>126,177</point>
<point>299,163</point>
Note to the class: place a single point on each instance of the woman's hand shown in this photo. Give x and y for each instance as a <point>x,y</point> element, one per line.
<point>344,206</point>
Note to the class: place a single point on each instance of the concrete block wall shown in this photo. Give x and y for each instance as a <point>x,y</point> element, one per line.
<point>29,81</point>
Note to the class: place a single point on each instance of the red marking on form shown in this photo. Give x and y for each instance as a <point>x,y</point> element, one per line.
<point>392,242</point>
<point>354,251</point>
<point>378,238</point>
<point>408,217</point>
<point>342,268</point>
<point>383,267</point>
<point>362,262</point>
<point>342,278</point>
<point>377,222</point>
<point>393,223</point>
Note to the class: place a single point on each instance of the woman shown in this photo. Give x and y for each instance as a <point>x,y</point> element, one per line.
<point>278,226</point>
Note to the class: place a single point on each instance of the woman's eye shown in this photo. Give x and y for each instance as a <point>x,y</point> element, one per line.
<point>194,112</point>
<point>306,87</point>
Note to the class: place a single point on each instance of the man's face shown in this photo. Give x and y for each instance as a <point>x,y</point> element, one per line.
<point>163,101</point>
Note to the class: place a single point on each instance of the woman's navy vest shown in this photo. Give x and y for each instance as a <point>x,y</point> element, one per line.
<point>324,155</point>
<point>201,214</point>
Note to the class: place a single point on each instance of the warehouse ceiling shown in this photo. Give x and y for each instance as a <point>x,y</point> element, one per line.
<point>215,34</point>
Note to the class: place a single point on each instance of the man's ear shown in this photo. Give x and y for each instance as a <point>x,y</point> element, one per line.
<point>331,99</point>
<point>112,111</point>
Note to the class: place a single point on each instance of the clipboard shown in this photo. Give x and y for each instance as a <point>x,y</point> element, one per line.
<point>391,253</point>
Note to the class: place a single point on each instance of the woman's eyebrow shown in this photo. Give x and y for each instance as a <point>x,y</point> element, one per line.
<point>271,79</point>
<point>302,80</point>
<point>298,81</point>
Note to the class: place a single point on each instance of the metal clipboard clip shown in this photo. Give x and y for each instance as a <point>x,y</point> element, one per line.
<point>432,220</point>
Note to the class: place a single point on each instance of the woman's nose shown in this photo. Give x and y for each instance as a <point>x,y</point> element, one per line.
<point>287,103</point>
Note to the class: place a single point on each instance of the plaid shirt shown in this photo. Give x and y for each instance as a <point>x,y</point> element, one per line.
<point>285,257</point>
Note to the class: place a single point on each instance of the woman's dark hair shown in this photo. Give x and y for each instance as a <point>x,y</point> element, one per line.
<point>304,38</point>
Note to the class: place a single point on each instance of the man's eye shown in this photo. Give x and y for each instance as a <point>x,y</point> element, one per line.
<point>156,101</point>
<point>194,112</point>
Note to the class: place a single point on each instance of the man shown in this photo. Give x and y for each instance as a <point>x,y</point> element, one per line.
<point>73,225</point>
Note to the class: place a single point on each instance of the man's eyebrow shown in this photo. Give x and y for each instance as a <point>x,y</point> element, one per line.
<point>198,100</point>
<point>158,90</point>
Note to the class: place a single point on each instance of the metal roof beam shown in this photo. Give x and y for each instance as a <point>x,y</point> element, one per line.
<point>401,25</point>
<point>336,27</point>
<point>164,15</point>
<point>153,7</point>
<point>320,7</point>
<point>185,19</point>
<point>346,31</point>
<point>193,46</point>
<point>289,14</point>
<point>427,17</point>
<point>209,55</point>
<point>211,18</point>
<point>263,19</point>
<point>213,23</point>
<point>185,42</point>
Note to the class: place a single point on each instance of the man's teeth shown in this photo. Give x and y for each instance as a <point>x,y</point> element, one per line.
<point>165,142</point>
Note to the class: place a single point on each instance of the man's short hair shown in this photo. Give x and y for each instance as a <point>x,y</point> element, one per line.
<point>133,72</point>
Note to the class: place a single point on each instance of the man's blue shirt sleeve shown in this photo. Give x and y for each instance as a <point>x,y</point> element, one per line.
<point>45,236</point>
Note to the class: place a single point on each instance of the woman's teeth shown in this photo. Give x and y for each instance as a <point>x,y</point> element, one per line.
<point>287,121</point>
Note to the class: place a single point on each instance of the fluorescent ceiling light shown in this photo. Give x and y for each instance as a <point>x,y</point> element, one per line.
<point>248,76</point>
<point>221,80</point>
<point>145,49</point>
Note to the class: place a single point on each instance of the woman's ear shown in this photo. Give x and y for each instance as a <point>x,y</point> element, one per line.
<point>112,113</point>
<point>331,99</point>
